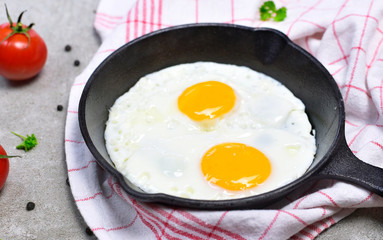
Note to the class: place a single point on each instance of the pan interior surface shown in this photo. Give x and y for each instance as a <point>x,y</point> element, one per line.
<point>263,50</point>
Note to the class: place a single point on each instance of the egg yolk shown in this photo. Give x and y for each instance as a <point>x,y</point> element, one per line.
<point>206,100</point>
<point>235,166</point>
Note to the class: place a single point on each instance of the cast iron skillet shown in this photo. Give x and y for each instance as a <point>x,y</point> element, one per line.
<point>264,50</point>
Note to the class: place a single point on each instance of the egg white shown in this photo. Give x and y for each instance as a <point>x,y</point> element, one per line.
<point>159,149</point>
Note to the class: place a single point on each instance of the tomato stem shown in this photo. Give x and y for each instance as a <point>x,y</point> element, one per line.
<point>18,28</point>
<point>20,16</point>
<point>8,16</point>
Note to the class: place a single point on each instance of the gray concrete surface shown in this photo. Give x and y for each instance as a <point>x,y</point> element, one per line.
<point>31,107</point>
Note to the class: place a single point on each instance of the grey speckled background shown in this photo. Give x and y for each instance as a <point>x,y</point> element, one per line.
<point>31,107</point>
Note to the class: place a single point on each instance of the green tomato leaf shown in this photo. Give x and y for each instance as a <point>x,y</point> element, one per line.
<point>7,156</point>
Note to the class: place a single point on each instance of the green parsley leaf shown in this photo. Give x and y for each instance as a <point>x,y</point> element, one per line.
<point>280,14</point>
<point>269,11</point>
<point>28,143</point>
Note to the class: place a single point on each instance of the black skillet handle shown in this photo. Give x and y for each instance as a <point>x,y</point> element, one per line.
<point>345,166</point>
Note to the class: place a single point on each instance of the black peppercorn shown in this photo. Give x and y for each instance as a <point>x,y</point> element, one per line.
<point>68,48</point>
<point>76,63</point>
<point>60,108</point>
<point>30,206</point>
<point>89,231</point>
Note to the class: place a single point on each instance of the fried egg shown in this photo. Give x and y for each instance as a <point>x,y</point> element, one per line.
<point>209,131</point>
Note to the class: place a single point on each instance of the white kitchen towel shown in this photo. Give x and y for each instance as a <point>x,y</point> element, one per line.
<point>346,36</point>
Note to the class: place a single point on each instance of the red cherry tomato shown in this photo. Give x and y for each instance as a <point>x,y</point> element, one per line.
<point>22,51</point>
<point>4,167</point>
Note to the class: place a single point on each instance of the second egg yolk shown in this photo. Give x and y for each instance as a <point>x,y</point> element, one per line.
<point>235,166</point>
<point>206,100</point>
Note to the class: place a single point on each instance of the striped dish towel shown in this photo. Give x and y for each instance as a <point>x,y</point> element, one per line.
<point>346,36</point>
